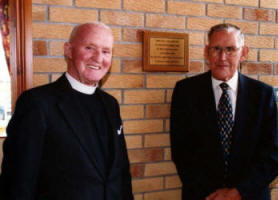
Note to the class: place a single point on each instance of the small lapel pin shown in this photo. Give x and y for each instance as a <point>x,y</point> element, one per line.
<point>120,130</point>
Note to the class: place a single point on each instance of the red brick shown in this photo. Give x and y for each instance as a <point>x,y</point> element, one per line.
<point>116,34</point>
<point>276,68</point>
<point>269,4</point>
<point>144,96</point>
<point>269,55</point>
<point>72,15</point>
<point>39,48</point>
<point>274,193</point>
<point>196,67</point>
<point>123,81</point>
<point>54,2</point>
<point>252,55</point>
<point>164,195</point>
<point>116,65</point>
<point>167,125</point>
<point>246,27</point>
<point>243,2</point>
<point>128,50</point>
<point>213,1</point>
<point>137,170</point>
<point>38,13</point>
<point>56,48</point>
<point>160,168</point>
<point>201,23</point>
<point>132,111</point>
<point>173,182</point>
<point>40,79</point>
<point>49,65</point>
<point>276,43</point>
<point>157,140</point>
<point>143,126</point>
<point>196,53</point>
<point>51,31</point>
<point>271,80</point>
<point>121,18</point>
<point>259,14</point>
<point>144,5</point>
<point>215,10</point>
<point>259,42</point>
<point>163,81</point>
<point>158,21</point>
<point>110,4</point>
<point>269,29</point>
<point>257,68</point>
<point>138,196</point>
<point>186,8</point>
<point>167,154</point>
<point>196,38</point>
<point>169,96</point>
<point>132,35</point>
<point>134,141</point>
<point>147,184</point>
<point>132,66</point>
<point>145,155</point>
<point>158,111</point>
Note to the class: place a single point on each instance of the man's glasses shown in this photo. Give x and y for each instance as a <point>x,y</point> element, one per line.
<point>229,51</point>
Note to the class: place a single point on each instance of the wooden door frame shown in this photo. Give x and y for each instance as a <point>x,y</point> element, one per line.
<point>21,54</point>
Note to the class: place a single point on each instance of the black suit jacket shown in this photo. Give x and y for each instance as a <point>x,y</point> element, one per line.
<point>50,152</point>
<point>195,141</point>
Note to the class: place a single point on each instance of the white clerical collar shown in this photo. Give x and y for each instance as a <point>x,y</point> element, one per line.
<point>80,87</point>
<point>231,82</point>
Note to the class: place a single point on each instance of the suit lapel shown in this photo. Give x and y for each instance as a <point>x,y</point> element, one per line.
<point>77,120</point>
<point>207,102</point>
<point>242,114</point>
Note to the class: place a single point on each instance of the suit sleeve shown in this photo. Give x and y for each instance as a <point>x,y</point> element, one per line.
<point>265,164</point>
<point>182,144</point>
<point>23,150</point>
<point>126,183</point>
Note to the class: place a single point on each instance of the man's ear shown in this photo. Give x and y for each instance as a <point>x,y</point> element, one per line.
<point>68,50</point>
<point>244,53</point>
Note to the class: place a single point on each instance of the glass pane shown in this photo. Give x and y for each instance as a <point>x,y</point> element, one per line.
<point>5,92</point>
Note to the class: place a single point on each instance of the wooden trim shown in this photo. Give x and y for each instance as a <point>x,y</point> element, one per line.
<point>21,47</point>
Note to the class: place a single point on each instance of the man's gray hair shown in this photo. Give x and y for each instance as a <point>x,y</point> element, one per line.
<point>229,28</point>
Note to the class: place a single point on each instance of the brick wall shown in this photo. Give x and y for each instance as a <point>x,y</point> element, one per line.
<point>145,97</point>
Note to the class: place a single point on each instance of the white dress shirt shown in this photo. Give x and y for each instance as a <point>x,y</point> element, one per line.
<point>80,87</point>
<point>232,90</point>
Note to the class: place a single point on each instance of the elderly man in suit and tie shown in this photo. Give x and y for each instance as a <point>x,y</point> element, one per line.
<point>65,140</point>
<point>224,137</point>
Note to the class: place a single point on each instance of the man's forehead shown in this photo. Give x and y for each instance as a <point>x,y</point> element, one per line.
<point>225,36</point>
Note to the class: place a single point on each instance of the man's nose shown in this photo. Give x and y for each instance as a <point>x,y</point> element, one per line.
<point>97,56</point>
<point>222,54</point>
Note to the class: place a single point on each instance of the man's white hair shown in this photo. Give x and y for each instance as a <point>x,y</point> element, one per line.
<point>229,28</point>
<point>96,23</point>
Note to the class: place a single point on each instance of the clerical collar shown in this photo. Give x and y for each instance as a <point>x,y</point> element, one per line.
<point>231,82</point>
<point>80,87</point>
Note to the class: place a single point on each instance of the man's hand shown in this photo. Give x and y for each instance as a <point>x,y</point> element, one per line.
<point>225,194</point>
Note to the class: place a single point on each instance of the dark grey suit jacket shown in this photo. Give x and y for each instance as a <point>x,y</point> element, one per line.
<point>50,152</point>
<point>196,147</point>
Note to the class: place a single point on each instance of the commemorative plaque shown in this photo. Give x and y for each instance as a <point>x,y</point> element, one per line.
<point>165,51</point>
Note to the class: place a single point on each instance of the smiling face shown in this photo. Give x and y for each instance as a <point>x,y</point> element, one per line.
<point>223,66</point>
<point>89,53</point>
